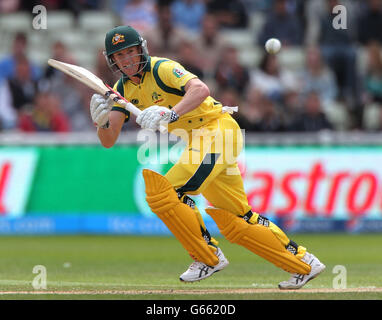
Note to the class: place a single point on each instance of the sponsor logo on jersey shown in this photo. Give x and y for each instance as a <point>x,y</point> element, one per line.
<point>178,72</point>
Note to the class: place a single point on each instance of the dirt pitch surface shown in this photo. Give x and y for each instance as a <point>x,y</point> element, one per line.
<point>186,292</point>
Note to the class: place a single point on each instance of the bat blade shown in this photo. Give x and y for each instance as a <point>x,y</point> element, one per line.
<point>92,81</point>
<point>81,74</point>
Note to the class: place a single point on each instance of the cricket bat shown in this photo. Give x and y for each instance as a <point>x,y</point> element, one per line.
<point>92,81</point>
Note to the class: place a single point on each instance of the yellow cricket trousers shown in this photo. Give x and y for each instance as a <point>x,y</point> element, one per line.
<point>208,166</point>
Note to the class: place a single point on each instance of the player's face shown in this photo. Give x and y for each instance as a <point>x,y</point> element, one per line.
<point>128,60</point>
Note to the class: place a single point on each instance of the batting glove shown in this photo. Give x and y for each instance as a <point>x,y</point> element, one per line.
<point>99,110</point>
<point>152,117</point>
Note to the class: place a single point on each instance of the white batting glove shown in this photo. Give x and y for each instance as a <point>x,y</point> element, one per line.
<point>153,116</point>
<point>100,108</point>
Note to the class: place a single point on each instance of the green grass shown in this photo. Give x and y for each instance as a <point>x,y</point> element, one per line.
<point>93,264</point>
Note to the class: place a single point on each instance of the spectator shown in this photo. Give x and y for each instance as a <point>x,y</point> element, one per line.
<point>313,11</point>
<point>140,14</point>
<point>46,115</point>
<point>75,98</point>
<point>291,106</point>
<point>188,57</point>
<point>102,69</point>
<point>188,14</point>
<point>231,14</point>
<point>22,86</point>
<point>272,119</point>
<point>338,49</point>
<point>9,6</point>
<point>249,114</point>
<point>8,114</point>
<point>312,118</point>
<point>51,5</point>
<point>60,53</point>
<point>370,23</point>
<point>210,43</point>
<point>259,114</point>
<point>164,39</point>
<point>229,97</point>
<point>318,77</point>
<point>253,6</point>
<point>230,73</point>
<point>73,95</point>
<point>19,49</point>
<point>271,79</point>
<point>282,25</point>
<point>373,77</point>
<point>372,117</point>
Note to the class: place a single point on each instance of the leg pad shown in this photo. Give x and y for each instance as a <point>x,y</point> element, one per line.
<point>178,217</point>
<point>257,238</point>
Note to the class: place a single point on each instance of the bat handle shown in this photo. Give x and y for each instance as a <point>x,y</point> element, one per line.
<point>117,98</point>
<point>163,129</point>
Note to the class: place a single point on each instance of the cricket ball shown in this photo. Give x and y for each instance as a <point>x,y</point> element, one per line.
<point>273,45</point>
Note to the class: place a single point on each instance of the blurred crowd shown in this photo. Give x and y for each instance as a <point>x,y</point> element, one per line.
<point>330,92</point>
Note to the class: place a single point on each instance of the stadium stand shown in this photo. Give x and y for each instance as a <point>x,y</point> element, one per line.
<point>82,31</point>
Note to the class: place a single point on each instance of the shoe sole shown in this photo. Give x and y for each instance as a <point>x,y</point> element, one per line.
<point>311,278</point>
<point>197,280</point>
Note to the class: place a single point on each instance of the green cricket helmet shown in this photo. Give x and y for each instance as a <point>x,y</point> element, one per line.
<point>123,37</point>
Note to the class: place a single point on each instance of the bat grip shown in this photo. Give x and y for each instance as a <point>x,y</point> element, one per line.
<point>163,129</point>
<point>122,101</point>
<point>116,97</point>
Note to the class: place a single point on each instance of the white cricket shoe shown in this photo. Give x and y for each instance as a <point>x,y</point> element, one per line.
<point>297,280</point>
<point>199,270</point>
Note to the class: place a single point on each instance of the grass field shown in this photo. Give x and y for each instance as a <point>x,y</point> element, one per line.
<point>127,267</point>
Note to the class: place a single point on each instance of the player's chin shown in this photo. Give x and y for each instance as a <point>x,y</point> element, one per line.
<point>130,71</point>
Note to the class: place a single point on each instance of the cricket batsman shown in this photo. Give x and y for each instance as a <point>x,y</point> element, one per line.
<point>168,94</point>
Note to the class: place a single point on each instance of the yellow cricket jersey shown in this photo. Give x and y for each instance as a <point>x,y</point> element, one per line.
<point>162,84</point>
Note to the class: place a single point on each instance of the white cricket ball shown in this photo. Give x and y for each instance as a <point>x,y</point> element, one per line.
<point>273,45</point>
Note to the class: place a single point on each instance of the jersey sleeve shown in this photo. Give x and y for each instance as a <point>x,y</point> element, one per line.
<point>119,87</point>
<point>172,77</point>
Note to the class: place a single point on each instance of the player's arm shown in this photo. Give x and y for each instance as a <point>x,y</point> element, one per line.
<point>108,136</point>
<point>109,122</point>
<point>196,92</point>
<point>173,76</point>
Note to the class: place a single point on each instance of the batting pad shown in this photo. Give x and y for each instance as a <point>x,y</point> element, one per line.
<point>258,239</point>
<point>178,217</point>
